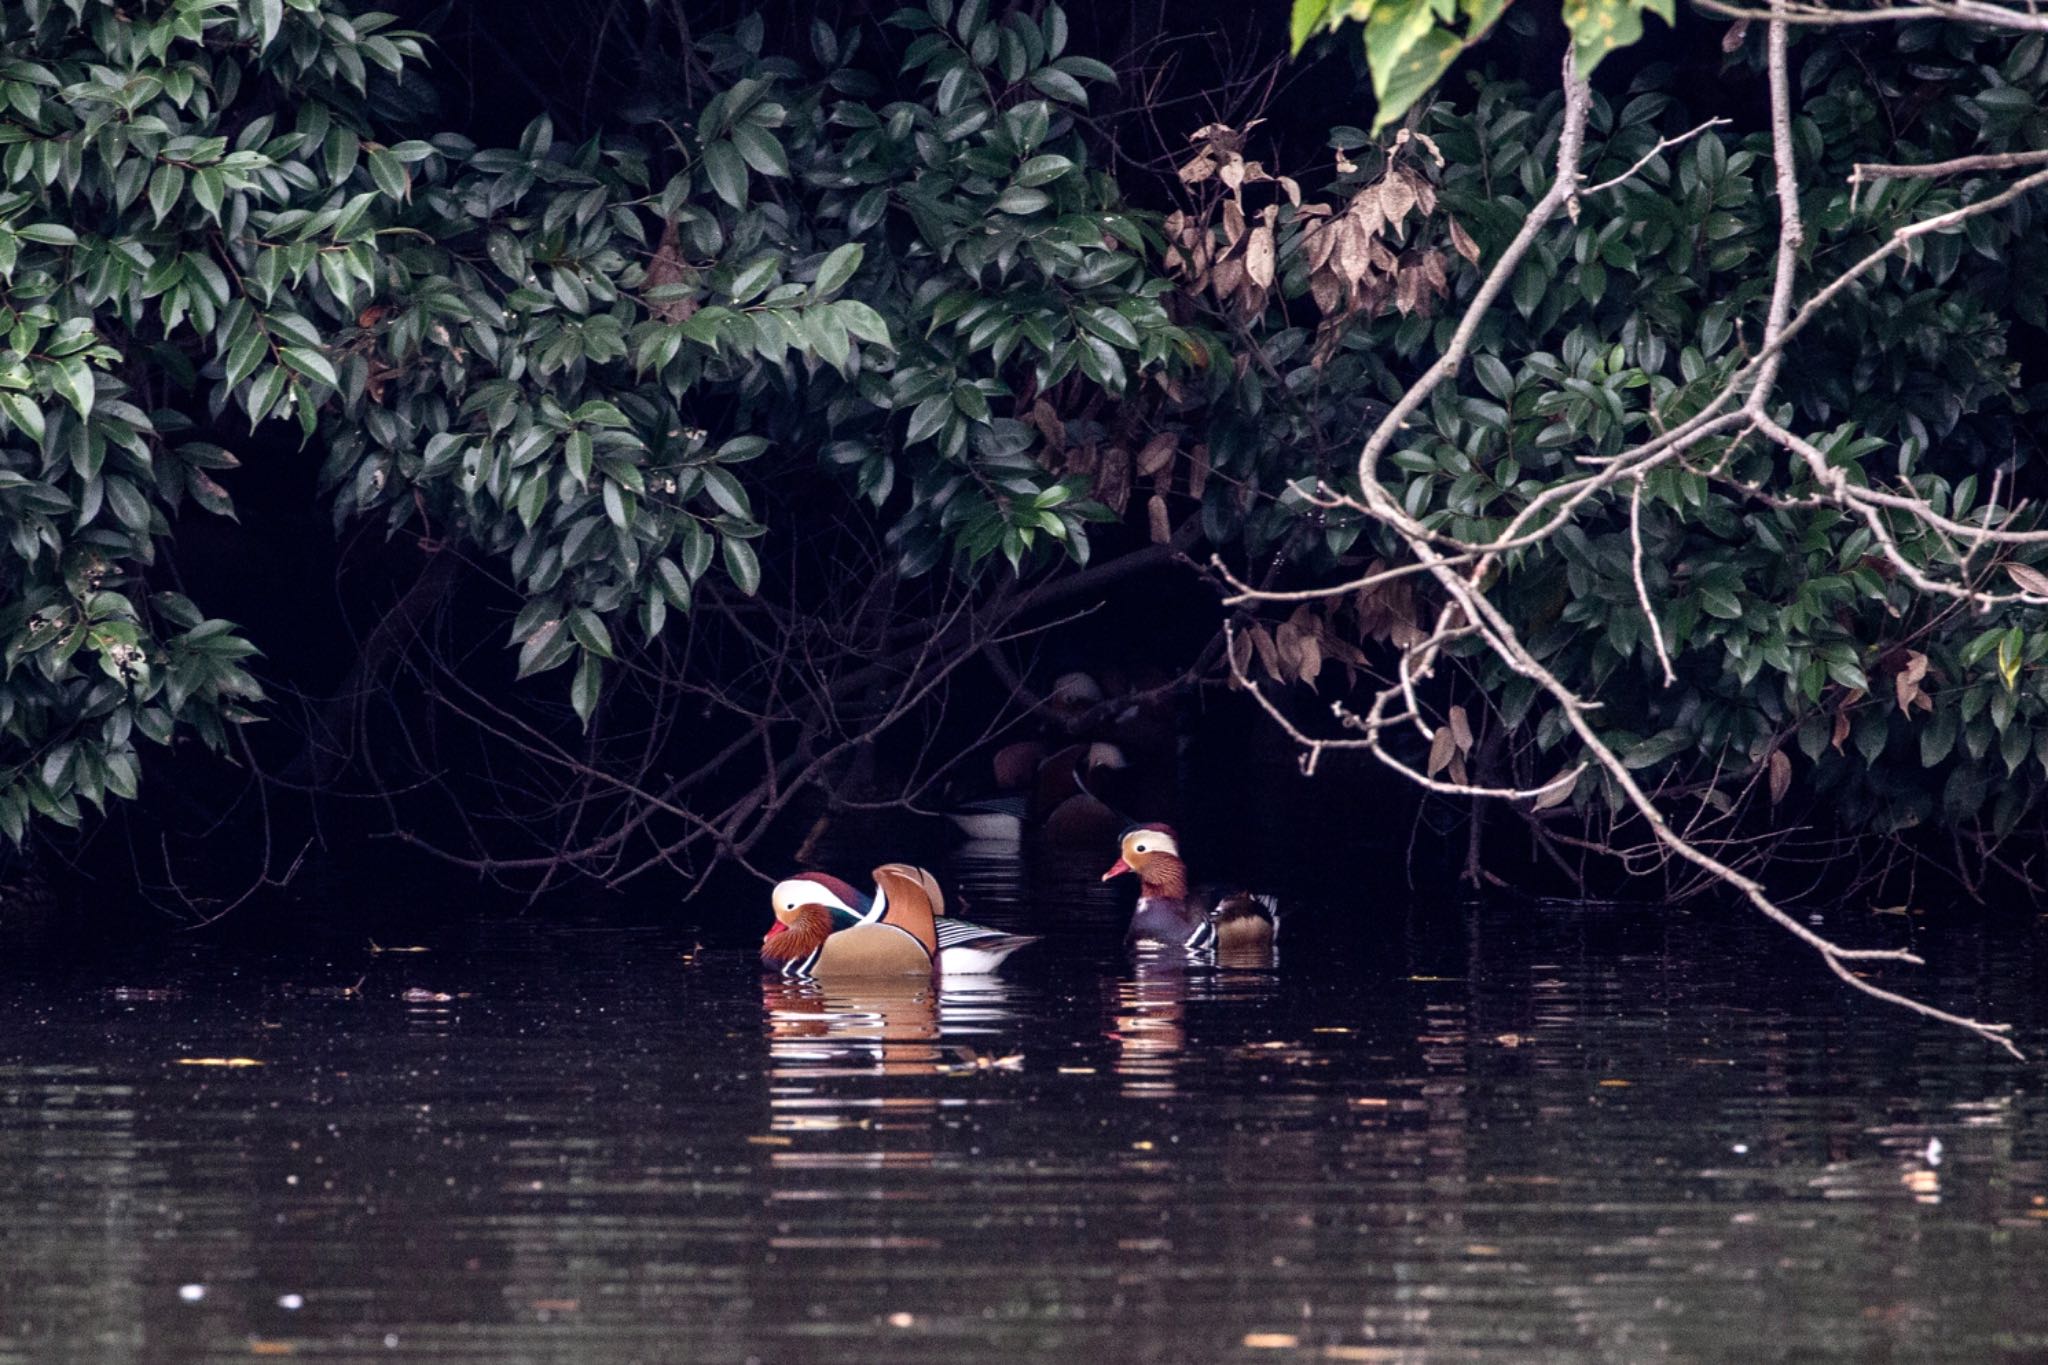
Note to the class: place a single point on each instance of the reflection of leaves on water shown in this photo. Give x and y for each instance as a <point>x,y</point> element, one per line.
<point>218,1061</point>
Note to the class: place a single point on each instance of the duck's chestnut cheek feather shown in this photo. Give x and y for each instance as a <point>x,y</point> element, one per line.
<point>1118,869</point>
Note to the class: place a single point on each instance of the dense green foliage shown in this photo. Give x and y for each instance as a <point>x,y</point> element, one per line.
<point>901,257</point>
<point>1409,44</point>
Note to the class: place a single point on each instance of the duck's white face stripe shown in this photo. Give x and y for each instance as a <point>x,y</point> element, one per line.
<point>797,891</point>
<point>1147,841</point>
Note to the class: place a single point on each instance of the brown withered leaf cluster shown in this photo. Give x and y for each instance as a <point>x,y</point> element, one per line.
<point>1115,471</point>
<point>1451,746</point>
<point>1295,650</point>
<point>1364,257</point>
<point>1239,269</point>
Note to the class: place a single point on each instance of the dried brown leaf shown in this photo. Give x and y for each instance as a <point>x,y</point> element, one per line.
<point>1198,471</point>
<point>1841,730</point>
<point>1113,479</point>
<point>1397,197</point>
<point>1462,242</point>
<point>2030,579</point>
<point>1157,453</point>
<point>1258,257</point>
<point>1781,775</point>
<point>1048,424</point>
<point>1233,222</point>
<point>1461,728</point>
<point>1227,277</point>
<point>1441,750</point>
<point>1327,290</point>
<point>1555,795</point>
<point>1159,520</point>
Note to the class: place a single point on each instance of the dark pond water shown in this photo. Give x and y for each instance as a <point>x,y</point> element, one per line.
<point>1428,1134</point>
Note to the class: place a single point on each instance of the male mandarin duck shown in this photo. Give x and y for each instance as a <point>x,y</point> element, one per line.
<point>1208,917</point>
<point>825,928</point>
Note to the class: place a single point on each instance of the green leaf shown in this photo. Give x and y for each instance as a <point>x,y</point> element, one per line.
<point>928,418</point>
<point>589,630</point>
<point>578,453</point>
<point>389,174</point>
<point>754,277</point>
<point>728,493</point>
<point>743,565</point>
<point>1018,200</point>
<point>675,584</point>
<point>585,688</point>
<point>728,174</point>
<point>311,364</point>
<point>1657,748</point>
<point>1598,27</point>
<point>548,647</point>
<point>1306,18</point>
<point>863,321</point>
<point>73,380</point>
<point>837,269</point>
<point>1060,86</point>
<point>1042,170</point>
<point>2011,649</point>
<point>758,147</point>
<point>164,186</point>
<point>618,506</point>
<point>22,411</point>
<point>1111,326</point>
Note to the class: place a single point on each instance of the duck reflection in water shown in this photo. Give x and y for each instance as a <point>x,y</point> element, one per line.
<point>884,1026</point>
<point>1150,1011</point>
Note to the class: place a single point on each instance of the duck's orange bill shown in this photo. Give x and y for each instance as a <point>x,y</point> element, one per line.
<point>1118,869</point>
<point>776,928</point>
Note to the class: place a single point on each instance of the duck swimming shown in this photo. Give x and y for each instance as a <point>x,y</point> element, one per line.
<point>1168,912</point>
<point>825,929</point>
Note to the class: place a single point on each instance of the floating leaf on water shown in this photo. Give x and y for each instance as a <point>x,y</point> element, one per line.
<point>1615,1084</point>
<point>770,1140</point>
<point>1271,1341</point>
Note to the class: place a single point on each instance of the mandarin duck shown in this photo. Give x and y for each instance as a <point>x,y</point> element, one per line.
<point>1168,912</point>
<point>825,928</point>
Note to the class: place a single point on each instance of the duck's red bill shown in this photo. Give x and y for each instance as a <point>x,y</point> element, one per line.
<point>1117,869</point>
<point>776,928</point>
